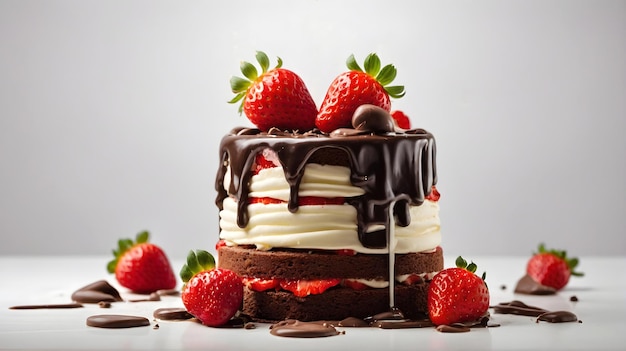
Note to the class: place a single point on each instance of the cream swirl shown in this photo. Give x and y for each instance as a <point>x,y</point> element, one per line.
<point>327,227</point>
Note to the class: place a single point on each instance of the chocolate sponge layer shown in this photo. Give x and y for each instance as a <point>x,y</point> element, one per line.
<point>302,264</point>
<point>335,303</point>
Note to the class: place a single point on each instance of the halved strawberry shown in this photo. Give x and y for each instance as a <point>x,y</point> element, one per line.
<point>260,284</point>
<point>354,284</point>
<point>304,287</point>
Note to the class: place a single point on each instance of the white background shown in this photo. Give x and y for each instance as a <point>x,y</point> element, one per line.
<point>111,113</point>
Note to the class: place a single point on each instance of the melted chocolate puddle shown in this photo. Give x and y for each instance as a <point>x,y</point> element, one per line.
<point>522,309</point>
<point>172,313</point>
<point>297,329</point>
<point>117,321</point>
<point>46,306</point>
<point>557,317</point>
<point>527,285</point>
<point>97,292</point>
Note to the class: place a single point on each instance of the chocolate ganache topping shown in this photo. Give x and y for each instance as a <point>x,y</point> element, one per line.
<point>394,167</point>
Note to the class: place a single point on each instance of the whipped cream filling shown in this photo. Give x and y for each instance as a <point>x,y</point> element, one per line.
<point>380,284</point>
<point>326,227</point>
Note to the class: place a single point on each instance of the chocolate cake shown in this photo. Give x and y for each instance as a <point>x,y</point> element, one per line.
<point>326,225</point>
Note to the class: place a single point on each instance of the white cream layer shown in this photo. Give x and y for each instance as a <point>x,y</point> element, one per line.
<point>326,227</point>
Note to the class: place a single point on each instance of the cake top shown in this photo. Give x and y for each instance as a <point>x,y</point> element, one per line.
<point>394,166</point>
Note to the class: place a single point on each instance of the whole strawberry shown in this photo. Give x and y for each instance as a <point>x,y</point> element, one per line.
<point>402,120</point>
<point>276,98</point>
<point>354,88</point>
<point>141,266</point>
<point>551,267</point>
<point>213,295</point>
<point>457,295</point>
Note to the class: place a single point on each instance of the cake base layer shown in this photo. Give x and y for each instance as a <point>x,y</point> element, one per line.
<point>334,304</point>
<point>301,264</point>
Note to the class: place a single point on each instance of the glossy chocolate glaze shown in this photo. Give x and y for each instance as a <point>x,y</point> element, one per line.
<point>116,321</point>
<point>394,168</point>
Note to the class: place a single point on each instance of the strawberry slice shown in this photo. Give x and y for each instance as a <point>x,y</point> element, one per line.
<point>402,120</point>
<point>261,163</point>
<point>412,279</point>
<point>260,284</point>
<point>303,201</point>
<point>434,194</point>
<point>305,287</point>
<point>353,284</point>
<point>346,252</point>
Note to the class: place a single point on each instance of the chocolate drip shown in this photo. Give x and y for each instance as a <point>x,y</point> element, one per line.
<point>392,167</point>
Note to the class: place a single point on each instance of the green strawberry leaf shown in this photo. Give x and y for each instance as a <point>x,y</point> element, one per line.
<point>352,64</point>
<point>263,61</point>
<point>124,245</point>
<point>372,64</point>
<point>197,261</point>
<point>249,71</point>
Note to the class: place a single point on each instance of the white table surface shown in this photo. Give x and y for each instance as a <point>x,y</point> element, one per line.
<point>49,280</point>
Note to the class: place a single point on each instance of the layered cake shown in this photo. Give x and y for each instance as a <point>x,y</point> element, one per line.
<point>320,209</point>
<point>335,216</point>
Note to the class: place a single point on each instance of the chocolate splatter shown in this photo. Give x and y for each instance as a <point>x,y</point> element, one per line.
<point>96,292</point>
<point>573,298</point>
<point>46,306</point>
<point>117,321</point>
<point>557,317</point>
<point>451,329</point>
<point>172,313</point>
<point>527,285</point>
<point>297,329</point>
<point>518,308</point>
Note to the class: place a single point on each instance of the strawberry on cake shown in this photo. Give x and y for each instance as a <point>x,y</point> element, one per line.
<point>333,216</point>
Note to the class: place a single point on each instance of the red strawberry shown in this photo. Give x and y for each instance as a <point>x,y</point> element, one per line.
<point>402,120</point>
<point>346,252</point>
<point>275,98</point>
<point>141,266</point>
<point>302,287</point>
<point>434,194</point>
<point>302,201</point>
<point>261,163</point>
<point>413,279</point>
<point>354,284</point>
<point>552,267</point>
<point>213,295</point>
<point>354,88</point>
<point>260,284</point>
<point>457,295</point>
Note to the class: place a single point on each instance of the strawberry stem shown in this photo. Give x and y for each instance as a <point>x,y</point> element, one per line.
<point>124,245</point>
<point>240,86</point>
<point>383,76</point>
<point>562,254</point>
<point>197,261</point>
